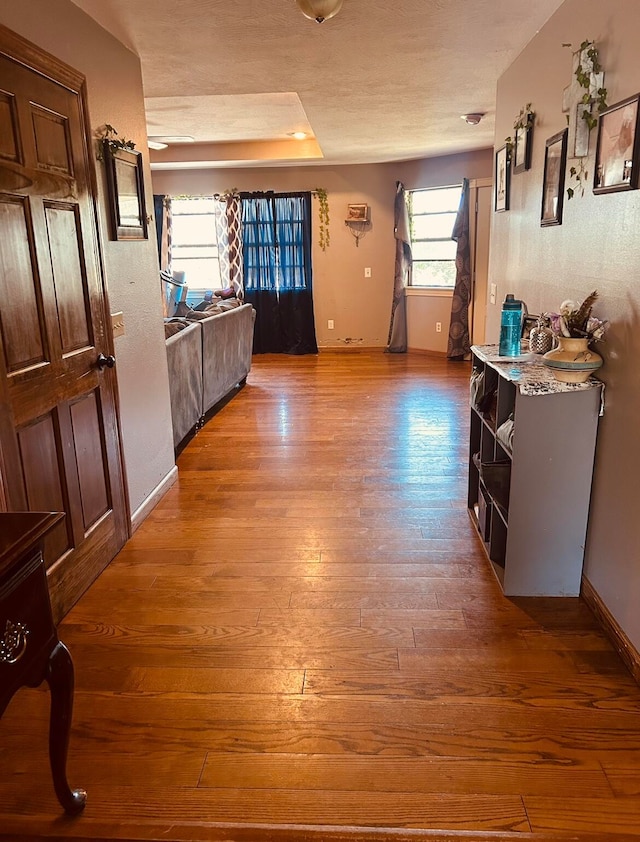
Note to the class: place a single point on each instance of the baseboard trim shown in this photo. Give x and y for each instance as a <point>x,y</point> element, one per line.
<point>152,500</point>
<point>219,832</point>
<point>353,346</point>
<point>614,632</point>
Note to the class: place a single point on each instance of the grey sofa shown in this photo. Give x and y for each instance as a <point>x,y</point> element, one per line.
<point>207,359</point>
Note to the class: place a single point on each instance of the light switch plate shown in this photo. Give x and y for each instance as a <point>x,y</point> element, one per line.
<point>117,324</point>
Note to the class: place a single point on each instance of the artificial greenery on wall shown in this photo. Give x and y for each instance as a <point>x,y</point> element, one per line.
<point>108,136</point>
<point>524,120</point>
<point>590,76</point>
<point>323,217</point>
<point>587,68</point>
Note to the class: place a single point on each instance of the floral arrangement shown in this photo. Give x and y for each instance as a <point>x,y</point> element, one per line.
<point>575,320</point>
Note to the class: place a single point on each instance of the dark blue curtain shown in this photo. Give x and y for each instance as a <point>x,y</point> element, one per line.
<point>158,215</point>
<point>276,235</point>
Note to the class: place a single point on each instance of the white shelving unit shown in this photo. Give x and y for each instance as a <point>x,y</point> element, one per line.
<point>534,527</point>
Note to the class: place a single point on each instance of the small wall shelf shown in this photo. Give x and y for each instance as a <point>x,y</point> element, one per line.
<point>358,221</point>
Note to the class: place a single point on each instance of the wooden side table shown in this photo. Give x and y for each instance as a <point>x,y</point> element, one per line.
<point>30,651</point>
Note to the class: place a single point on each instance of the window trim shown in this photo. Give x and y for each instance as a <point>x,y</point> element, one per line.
<point>422,291</point>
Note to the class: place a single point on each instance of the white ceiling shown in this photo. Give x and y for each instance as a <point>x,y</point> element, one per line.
<point>381,81</point>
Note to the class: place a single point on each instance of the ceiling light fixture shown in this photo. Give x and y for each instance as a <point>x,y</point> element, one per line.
<point>298,135</point>
<point>319,10</point>
<point>170,139</point>
<point>471,119</point>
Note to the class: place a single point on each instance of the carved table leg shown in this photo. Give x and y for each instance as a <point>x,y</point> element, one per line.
<point>60,680</point>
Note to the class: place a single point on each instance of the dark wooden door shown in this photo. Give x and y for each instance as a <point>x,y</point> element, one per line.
<point>59,442</point>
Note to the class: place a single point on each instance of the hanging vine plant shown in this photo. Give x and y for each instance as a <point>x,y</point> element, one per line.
<point>587,71</point>
<point>323,217</point>
<point>108,136</point>
<point>524,120</point>
<point>580,174</point>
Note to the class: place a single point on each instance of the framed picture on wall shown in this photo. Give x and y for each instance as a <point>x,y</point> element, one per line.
<point>555,162</point>
<point>502,182</point>
<point>357,213</point>
<point>126,193</point>
<point>522,146</point>
<point>617,147</point>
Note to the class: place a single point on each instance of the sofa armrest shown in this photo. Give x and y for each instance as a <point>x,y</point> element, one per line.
<point>227,344</point>
<point>184,359</point>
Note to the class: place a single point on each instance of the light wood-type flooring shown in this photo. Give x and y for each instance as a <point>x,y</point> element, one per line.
<point>305,631</point>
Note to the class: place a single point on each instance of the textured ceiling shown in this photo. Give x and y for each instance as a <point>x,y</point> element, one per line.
<point>381,81</point>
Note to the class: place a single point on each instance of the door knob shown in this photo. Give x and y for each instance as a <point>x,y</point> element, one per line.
<point>107,362</point>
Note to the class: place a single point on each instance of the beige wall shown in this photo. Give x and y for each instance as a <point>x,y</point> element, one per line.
<point>596,247</point>
<point>114,87</point>
<point>360,307</point>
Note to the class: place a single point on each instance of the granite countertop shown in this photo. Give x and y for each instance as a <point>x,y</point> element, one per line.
<point>529,373</point>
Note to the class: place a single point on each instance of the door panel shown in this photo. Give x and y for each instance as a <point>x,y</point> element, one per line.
<point>69,279</point>
<point>52,141</point>
<point>88,436</point>
<point>8,128</point>
<point>59,445</point>
<point>44,480</point>
<point>21,310</point>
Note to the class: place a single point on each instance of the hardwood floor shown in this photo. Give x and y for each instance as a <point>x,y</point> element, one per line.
<point>305,631</point>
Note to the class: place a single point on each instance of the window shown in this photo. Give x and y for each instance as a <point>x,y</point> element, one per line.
<point>432,214</point>
<point>276,234</point>
<point>194,246</point>
<point>276,242</point>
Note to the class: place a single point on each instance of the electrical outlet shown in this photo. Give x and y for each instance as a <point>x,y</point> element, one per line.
<point>367,271</point>
<point>438,327</point>
<point>330,324</point>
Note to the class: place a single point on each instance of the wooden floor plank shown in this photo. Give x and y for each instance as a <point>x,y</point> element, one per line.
<point>478,812</point>
<point>506,658</point>
<point>255,658</point>
<point>383,774</point>
<point>426,618</point>
<point>185,681</point>
<point>466,686</point>
<point>305,631</point>
<point>599,816</point>
<point>90,764</point>
<point>428,713</point>
<point>230,637</point>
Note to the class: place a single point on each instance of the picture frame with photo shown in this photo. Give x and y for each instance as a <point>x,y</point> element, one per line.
<point>357,213</point>
<point>125,183</point>
<point>555,162</point>
<point>618,145</point>
<point>522,146</point>
<point>502,180</point>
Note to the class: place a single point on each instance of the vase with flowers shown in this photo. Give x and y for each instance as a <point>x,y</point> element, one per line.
<point>576,329</point>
